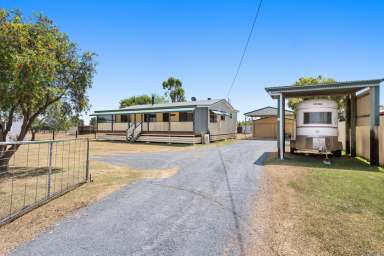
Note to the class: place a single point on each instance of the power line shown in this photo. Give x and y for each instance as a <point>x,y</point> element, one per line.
<point>245,47</point>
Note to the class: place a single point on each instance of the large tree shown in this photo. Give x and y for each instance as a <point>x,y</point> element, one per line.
<point>305,81</point>
<point>39,66</point>
<point>174,89</point>
<point>141,100</point>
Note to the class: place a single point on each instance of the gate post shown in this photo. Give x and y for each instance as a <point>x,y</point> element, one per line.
<point>49,168</point>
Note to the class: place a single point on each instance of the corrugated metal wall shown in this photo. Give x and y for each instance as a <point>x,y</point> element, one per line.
<point>363,129</point>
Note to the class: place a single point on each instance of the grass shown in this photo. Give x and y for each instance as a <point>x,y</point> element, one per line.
<point>342,205</point>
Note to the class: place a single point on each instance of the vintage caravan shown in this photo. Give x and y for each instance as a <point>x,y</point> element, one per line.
<point>317,127</point>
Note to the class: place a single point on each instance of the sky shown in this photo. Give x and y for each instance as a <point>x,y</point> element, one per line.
<point>140,43</point>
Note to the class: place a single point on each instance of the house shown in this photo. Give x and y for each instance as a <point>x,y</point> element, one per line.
<point>178,122</point>
<point>264,122</point>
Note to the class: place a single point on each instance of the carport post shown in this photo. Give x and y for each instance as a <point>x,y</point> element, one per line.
<point>348,125</point>
<point>282,126</point>
<point>374,94</point>
<point>353,124</point>
<point>278,126</point>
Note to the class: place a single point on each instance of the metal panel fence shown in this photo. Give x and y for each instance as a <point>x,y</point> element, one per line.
<point>38,171</point>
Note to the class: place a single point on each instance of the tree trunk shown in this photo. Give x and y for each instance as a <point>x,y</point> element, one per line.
<point>6,154</point>
<point>33,135</point>
<point>4,166</point>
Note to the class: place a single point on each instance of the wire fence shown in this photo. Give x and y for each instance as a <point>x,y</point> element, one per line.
<point>35,172</point>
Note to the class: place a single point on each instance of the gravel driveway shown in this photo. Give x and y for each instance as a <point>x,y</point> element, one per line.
<point>202,210</point>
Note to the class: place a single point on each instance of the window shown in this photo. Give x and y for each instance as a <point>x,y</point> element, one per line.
<point>149,117</point>
<point>125,118</point>
<point>212,117</point>
<point>185,116</point>
<point>317,117</point>
<point>166,117</point>
<point>104,119</point>
<point>222,117</point>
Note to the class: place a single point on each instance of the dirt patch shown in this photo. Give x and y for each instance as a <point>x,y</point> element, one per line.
<point>277,215</point>
<point>107,178</point>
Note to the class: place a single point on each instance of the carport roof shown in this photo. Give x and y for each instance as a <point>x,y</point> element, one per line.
<point>338,88</point>
<point>266,112</point>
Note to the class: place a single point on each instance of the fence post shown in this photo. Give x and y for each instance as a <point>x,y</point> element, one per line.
<point>49,167</point>
<point>87,163</point>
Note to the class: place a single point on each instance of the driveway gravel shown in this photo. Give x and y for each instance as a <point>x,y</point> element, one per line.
<point>205,209</point>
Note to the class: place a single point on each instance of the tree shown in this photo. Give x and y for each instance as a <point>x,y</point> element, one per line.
<point>141,100</point>
<point>174,89</point>
<point>39,66</point>
<point>305,81</point>
<point>93,122</point>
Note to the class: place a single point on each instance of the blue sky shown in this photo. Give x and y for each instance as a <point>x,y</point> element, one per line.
<point>140,43</point>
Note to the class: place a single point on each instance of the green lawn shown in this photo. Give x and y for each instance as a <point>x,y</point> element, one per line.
<point>342,204</point>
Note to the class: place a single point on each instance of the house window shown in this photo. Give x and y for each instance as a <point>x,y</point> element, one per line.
<point>222,117</point>
<point>104,119</point>
<point>212,117</point>
<point>149,117</point>
<point>317,117</point>
<point>125,118</point>
<point>185,117</point>
<point>166,117</point>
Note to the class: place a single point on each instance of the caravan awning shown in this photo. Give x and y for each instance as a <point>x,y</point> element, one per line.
<point>144,111</point>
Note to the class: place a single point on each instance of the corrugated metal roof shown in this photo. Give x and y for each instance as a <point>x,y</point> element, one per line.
<point>149,108</point>
<point>322,89</point>
<point>267,111</point>
<point>162,110</point>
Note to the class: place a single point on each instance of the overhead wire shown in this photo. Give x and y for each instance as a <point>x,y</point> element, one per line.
<point>257,14</point>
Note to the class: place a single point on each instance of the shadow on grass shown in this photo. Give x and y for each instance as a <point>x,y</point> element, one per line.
<point>316,161</point>
<point>27,172</point>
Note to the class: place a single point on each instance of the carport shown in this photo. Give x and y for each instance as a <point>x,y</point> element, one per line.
<point>362,109</point>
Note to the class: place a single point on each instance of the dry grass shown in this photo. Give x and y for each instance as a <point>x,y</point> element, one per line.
<point>26,182</point>
<point>106,179</point>
<point>308,208</point>
<point>110,147</point>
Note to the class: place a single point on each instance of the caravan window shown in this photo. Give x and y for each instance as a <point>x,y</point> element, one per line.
<point>317,117</point>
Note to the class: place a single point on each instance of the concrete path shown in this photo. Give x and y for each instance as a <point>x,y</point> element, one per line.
<point>202,210</point>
